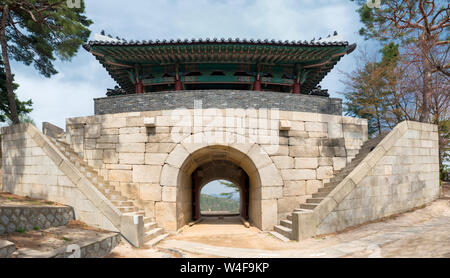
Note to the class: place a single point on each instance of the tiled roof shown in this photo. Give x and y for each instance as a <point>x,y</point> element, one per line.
<point>116,42</point>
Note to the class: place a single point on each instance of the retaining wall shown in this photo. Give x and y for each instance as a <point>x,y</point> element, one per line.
<point>220,99</point>
<point>401,173</point>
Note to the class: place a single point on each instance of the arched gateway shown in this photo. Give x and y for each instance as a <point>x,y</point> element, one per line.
<point>186,112</point>
<point>228,156</point>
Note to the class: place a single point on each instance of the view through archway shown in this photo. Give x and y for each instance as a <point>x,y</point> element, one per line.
<point>220,198</point>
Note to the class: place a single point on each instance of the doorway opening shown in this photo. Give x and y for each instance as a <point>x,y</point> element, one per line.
<point>228,188</point>
<point>220,198</point>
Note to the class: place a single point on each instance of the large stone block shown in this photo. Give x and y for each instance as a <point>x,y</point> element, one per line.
<point>283,162</point>
<point>155,158</point>
<point>269,214</point>
<point>150,192</point>
<point>131,158</point>
<point>120,175</point>
<point>146,173</point>
<point>131,147</point>
<point>270,176</point>
<point>271,192</point>
<point>133,138</point>
<point>169,175</point>
<point>316,126</point>
<point>294,188</point>
<point>110,157</point>
<point>312,186</point>
<point>177,157</point>
<point>339,163</point>
<point>298,174</point>
<point>306,163</point>
<point>303,151</point>
<point>166,215</point>
<point>169,194</point>
<point>92,131</point>
<point>324,172</point>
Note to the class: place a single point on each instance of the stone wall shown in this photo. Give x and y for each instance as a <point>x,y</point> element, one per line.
<point>6,248</point>
<point>401,173</point>
<point>28,218</point>
<point>221,99</point>
<point>28,170</point>
<point>142,161</point>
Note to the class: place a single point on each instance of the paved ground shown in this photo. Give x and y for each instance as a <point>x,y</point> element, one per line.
<point>420,233</point>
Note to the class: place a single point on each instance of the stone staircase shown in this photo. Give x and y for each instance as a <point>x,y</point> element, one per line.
<point>152,233</point>
<point>284,230</point>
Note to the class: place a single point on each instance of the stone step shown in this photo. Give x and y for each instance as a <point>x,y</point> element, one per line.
<point>308,206</point>
<point>287,232</point>
<point>156,240</point>
<point>314,200</point>
<point>279,236</point>
<point>122,203</point>
<point>302,210</point>
<point>320,194</point>
<point>150,226</point>
<point>127,209</point>
<point>135,213</point>
<point>326,189</point>
<point>153,233</point>
<point>148,220</point>
<point>286,223</point>
<point>289,217</point>
<point>115,197</point>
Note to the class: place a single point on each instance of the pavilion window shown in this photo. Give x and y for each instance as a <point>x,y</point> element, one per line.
<point>168,75</point>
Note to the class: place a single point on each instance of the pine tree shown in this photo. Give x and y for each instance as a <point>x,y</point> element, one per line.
<point>23,107</point>
<point>422,23</point>
<point>35,32</point>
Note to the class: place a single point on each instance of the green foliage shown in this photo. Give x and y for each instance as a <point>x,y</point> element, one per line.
<point>20,230</point>
<point>391,54</point>
<point>23,107</point>
<point>231,185</point>
<point>370,96</point>
<point>37,38</point>
<point>213,203</point>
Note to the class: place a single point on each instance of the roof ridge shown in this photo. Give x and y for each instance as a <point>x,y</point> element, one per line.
<point>217,41</point>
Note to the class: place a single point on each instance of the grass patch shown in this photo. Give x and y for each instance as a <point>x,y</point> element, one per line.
<point>36,228</point>
<point>66,239</point>
<point>20,230</point>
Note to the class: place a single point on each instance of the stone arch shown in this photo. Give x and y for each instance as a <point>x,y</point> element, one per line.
<point>265,179</point>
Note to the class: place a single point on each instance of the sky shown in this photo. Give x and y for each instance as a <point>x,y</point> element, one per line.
<point>216,188</point>
<point>70,93</point>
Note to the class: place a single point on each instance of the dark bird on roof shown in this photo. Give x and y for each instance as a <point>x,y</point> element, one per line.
<point>335,33</point>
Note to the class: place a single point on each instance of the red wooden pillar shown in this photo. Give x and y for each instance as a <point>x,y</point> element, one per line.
<point>139,87</point>
<point>296,87</point>
<point>178,85</point>
<point>257,85</point>
<point>195,197</point>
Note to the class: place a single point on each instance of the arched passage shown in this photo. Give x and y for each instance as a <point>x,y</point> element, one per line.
<point>202,149</point>
<point>220,170</point>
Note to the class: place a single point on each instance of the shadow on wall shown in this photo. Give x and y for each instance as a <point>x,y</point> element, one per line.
<point>19,144</point>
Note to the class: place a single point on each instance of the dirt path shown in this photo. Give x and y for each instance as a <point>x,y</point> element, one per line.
<point>420,233</point>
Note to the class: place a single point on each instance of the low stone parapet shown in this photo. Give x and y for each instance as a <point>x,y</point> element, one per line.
<point>22,218</point>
